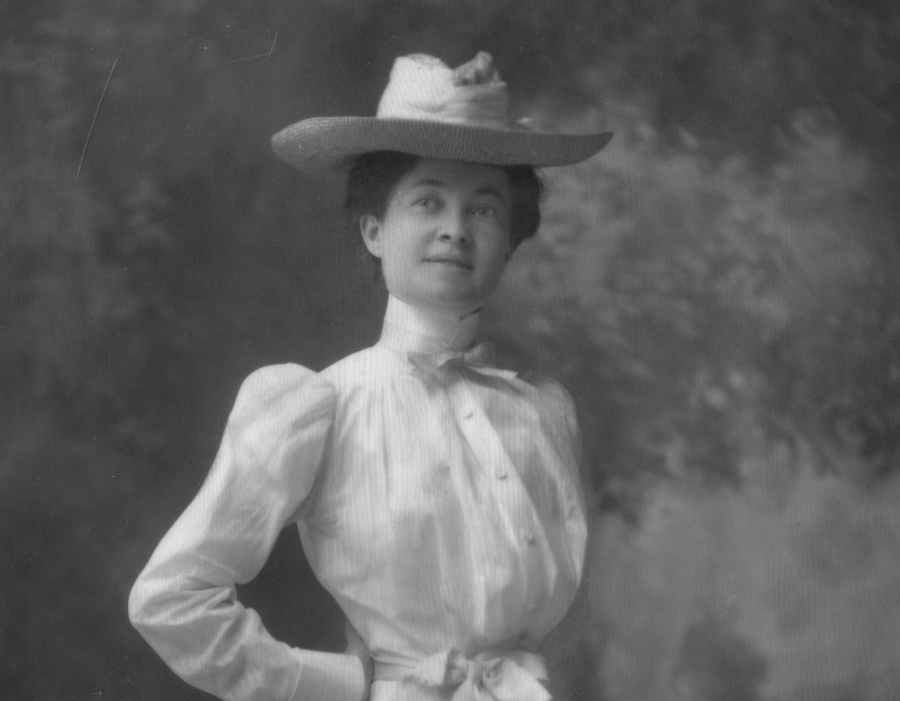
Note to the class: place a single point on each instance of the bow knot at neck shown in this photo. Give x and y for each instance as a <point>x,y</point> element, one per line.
<point>478,356</point>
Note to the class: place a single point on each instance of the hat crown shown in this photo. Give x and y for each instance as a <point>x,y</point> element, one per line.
<point>423,87</point>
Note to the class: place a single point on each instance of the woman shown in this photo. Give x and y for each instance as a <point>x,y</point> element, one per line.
<point>437,497</point>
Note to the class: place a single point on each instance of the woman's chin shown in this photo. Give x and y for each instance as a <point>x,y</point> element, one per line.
<point>447,301</point>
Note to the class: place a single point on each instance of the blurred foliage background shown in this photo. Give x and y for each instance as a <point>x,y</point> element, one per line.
<point>719,292</point>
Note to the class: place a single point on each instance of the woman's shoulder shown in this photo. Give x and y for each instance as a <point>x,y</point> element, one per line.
<point>550,390</point>
<point>286,377</point>
<point>285,390</point>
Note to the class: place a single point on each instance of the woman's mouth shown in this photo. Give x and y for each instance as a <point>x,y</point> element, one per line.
<point>451,262</point>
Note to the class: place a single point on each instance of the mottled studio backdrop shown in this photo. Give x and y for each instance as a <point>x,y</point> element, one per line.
<point>719,291</point>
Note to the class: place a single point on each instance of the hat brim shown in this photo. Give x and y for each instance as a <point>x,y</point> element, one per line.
<point>326,144</point>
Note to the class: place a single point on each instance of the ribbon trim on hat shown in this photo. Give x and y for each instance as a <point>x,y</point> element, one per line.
<point>489,676</point>
<point>424,87</point>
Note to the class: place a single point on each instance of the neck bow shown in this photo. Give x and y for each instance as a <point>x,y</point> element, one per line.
<point>479,356</point>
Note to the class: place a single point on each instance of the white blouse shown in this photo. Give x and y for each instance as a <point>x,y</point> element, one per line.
<point>437,499</point>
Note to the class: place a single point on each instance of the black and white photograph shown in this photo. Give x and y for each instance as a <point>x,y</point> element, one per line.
<point>449,350</point>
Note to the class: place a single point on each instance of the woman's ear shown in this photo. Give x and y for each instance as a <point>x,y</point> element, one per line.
<point>370,229</point>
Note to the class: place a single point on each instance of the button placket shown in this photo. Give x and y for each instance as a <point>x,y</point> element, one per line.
<point>514,509</point>
<point>479,433</point>
<point>491,454</point>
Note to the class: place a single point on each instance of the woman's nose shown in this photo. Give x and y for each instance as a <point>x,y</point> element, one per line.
<point>455,228</point>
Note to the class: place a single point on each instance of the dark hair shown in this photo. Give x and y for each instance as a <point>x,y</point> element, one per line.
<point>373,175</point>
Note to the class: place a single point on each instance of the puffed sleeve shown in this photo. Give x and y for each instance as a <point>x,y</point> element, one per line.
<point>184,602</point>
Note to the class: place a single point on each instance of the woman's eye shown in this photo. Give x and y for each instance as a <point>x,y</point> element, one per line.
<point>428,202</point>
<point>486,212</point>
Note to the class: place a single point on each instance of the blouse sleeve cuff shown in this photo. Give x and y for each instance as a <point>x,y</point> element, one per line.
<point>328,676</point>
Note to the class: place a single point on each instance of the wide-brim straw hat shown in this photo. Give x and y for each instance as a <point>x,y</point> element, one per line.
<point>433,111</point>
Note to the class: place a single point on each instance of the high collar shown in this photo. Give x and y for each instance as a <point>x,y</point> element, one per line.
<point>409,329</point>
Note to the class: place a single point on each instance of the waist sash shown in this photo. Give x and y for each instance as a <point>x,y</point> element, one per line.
<point>493,675</point>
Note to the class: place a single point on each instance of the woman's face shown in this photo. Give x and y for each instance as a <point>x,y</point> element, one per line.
<point>445,236</point>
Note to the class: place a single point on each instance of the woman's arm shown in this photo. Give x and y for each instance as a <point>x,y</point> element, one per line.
<point>184,602</point>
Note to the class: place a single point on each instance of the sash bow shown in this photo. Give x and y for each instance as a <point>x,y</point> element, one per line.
<point>489,676</point>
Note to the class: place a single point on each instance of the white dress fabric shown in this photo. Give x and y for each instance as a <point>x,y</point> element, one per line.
<point>437,500</point>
